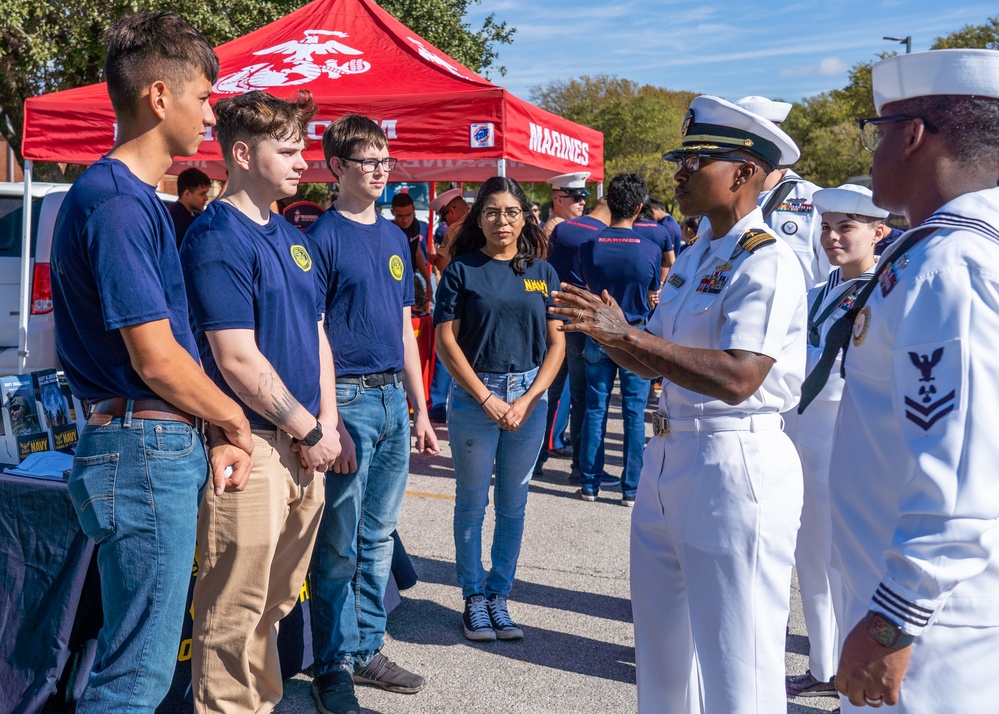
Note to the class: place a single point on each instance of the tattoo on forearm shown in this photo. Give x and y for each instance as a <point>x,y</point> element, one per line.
<point>272,398</point>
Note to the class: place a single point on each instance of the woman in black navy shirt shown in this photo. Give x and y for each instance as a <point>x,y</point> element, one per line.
<point>497,340</point>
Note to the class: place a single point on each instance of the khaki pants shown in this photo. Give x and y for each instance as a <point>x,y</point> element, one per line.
<point>254,549</point>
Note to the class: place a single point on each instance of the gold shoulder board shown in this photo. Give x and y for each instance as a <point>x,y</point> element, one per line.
<point>755,238</point>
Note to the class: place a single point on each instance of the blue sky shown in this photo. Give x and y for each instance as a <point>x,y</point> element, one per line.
<point>790,51</point>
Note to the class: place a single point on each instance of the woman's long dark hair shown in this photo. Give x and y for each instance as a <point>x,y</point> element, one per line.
<point>531,243</point>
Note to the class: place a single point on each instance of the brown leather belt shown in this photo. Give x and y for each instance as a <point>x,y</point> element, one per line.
<point>141,409</point>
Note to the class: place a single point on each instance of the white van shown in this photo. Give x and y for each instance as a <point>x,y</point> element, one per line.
<point>45,203</point>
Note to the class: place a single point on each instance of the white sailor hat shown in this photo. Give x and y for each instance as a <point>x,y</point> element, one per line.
<point>766,108</point>
<point>573,184</point>
<point>937,72</point>
<point>715,126</point>
<point>445,198</point>
<point>848,198</point>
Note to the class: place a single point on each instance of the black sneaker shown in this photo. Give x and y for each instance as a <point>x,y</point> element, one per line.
<point>805,685</point>
<point>478,626</point>
<point>503,624</point>
<point>587,495</point>
<point>382,672</point>
<point>563,452</point>
<point>334,692</point>
<point>628,501</point>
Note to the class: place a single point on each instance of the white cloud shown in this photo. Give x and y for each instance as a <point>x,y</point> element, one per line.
<point>827,67</point>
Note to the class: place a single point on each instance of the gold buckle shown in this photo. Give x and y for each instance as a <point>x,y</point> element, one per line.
<point>660,424</point>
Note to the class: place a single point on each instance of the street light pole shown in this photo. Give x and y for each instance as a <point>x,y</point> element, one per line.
<point>907,41</point>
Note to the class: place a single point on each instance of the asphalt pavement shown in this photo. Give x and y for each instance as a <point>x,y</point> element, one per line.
<point>571,597</point>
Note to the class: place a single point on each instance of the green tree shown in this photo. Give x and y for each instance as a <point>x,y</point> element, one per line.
<point>48,45</point>
<point>639,123</point>
<point>985,37</point>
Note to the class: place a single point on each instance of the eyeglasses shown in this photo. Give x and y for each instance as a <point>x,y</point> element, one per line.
<point>870,134</point>
<point>692,162</point>
<point>573,199</point>
<point>492,215</point>
<point>368,166</point>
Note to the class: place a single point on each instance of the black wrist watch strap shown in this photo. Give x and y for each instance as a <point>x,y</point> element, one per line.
<point>885,632</point>
<point>312,438</point>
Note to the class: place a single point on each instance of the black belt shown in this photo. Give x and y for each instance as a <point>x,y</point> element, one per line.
<point>379,379</point>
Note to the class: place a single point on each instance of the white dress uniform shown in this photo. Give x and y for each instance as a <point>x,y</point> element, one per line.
<point>797,222</point>
<point>795,218</point>
<point>719,498</point>
<point>814,440</point>
<point>915,497</point>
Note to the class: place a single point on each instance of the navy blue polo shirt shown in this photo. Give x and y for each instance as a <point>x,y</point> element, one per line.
<point>624,264</point>
<point>114,264</point>
<point>564,243</point>
<point>244,276</point>
<point>503,315</point>
<point>366,277</point>
<point>674,231</point>
<point>654,232</point>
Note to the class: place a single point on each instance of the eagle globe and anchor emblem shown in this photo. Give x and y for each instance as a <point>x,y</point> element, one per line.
<point>304,67</point>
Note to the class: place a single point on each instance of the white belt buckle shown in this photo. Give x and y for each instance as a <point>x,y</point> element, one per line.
<point>660,424</point>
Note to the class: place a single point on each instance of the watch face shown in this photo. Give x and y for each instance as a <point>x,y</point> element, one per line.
<point>882,630</point>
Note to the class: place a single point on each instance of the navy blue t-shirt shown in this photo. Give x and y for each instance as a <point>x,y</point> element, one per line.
<point>654,232</point>
<point>244,276</point>
<point>114,264</point>
<point>674,231</point>
<point>366,278</point>
<point>503,315</point>
<point>563,247</point>
<point>624,264</point>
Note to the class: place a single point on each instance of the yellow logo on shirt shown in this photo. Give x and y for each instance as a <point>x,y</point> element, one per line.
<point>536,286</point>
<point>302,258</point>
<point>396,267</point>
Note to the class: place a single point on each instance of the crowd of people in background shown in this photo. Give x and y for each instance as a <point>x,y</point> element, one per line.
<point>255,384</point>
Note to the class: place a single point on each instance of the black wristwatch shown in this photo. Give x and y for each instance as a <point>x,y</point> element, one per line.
<point>312,438</point>
<point>885,632</point>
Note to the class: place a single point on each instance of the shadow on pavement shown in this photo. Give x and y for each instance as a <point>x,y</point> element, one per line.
<point>426,622</point>
<point>441,572</point>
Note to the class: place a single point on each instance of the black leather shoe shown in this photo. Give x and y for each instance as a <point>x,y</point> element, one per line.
<point>334,693</point>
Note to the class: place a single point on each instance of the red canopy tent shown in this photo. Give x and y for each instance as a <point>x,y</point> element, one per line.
<point>443,121</point>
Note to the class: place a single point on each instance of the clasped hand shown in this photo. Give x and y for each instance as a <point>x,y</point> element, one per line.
<point>599,317</point>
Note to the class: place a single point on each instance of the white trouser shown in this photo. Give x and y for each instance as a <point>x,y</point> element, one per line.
<point>813,551</point>
<point>952,669</point>
<point>712,543</point>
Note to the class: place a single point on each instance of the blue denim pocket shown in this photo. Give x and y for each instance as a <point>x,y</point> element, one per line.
<point>169,441</point>
<point>347,394</point>
<point>91,487</point>
<point>592,352</point>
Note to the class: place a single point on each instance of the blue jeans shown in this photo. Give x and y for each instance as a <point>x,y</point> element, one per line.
<point>352,559</point>
<point>600,373</point>
<point>136,485</point>
<point>561,423</point>
<point>477,444</point>
<point>572,372</point>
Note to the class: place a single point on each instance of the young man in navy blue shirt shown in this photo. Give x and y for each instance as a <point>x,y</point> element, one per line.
<point>563,255</point>
<point>257,313</point>
<point>123,337</point>
<point>627,266</point>
<point>364,273</point>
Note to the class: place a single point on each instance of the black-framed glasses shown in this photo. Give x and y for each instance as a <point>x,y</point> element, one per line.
<point>573,198</point>
<point>368,166</point>
<point>870,134</point>
<point>491,215</point>
<point>692,162</point>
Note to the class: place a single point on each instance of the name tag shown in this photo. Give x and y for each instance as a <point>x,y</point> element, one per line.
<point>675,280</point>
